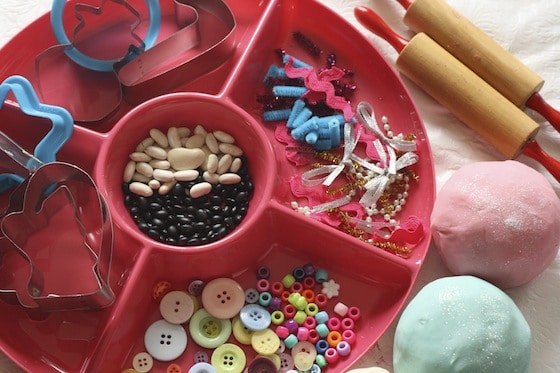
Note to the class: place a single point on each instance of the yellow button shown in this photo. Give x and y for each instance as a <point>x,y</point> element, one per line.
<point>240,332</point>
<point>265,342</point>
<point>303,361</point>
<point>228,358</point>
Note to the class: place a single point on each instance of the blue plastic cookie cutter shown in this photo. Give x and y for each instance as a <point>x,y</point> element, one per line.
<point>91,63</point>
<point>62,123</point>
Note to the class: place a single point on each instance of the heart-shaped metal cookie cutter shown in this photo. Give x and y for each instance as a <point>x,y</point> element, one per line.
<point>56,221</point>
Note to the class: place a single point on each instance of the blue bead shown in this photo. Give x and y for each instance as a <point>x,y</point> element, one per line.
<point>322,317</point>
<point>255,317</point>
<point>321,346</point>
<point>290,341</point>
<point>265,298</point>
<point>321,275</point>
<point>298,273</point>
<point>322,330</point>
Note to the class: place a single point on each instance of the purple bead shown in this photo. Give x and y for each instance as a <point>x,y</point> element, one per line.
<point>343,348</point>
<point>309,269</point>
<point>275,304</point>
<point>263,272</point>
<point>291,325</point>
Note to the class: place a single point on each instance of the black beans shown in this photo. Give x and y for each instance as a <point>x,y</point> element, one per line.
<point>179,220</point>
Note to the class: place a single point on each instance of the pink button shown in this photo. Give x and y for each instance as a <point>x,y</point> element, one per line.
<point>176,307</point>
<point>223,298</point>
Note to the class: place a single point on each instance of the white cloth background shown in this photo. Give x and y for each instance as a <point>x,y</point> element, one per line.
<point>528,29</point>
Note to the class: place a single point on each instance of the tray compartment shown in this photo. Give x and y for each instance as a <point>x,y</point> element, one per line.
<point>376,284</point>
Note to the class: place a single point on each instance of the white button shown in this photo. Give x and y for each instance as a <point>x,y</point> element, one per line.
<point>202,368</point>
<point>165,341</point>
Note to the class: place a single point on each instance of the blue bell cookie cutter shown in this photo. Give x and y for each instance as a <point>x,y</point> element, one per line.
<point>91,63</point>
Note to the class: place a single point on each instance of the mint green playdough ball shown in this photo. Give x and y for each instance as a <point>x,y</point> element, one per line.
<point>462,324</point>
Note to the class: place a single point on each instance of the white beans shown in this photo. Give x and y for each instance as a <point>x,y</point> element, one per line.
<point>141,189</point>
<point>156,152</point>
<point>179,154</point>
<point>129,171</point>
<point>159,137</point>
<point>200,189</point>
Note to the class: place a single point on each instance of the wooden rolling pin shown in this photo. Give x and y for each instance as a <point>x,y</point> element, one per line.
<point>480,53</point>
<point>464,93</point>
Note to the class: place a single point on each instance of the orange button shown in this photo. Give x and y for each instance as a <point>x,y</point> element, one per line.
<point>176,307</point>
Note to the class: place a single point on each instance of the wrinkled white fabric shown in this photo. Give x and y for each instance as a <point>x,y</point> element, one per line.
<point>528,29</point>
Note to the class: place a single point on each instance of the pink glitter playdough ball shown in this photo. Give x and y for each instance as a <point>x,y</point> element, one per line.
<point>499,221</point>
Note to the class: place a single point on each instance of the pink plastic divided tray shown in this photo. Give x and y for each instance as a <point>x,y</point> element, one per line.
<point>272,233</point>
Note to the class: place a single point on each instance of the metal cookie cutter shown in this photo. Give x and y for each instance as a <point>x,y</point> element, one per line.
<point>68,74</point>
<point>204,41</point>
<point>57,233</point>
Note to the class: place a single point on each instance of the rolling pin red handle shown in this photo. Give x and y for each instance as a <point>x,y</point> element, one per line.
<point>533,150</point>
<point>405,3</point>
<point>374,23</point>
<point>538,104</point>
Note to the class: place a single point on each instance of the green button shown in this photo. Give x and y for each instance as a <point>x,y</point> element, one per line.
<point>208,331</point>
<point>228,358</point>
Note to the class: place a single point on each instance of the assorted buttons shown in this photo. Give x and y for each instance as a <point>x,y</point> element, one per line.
<point>283,321</point>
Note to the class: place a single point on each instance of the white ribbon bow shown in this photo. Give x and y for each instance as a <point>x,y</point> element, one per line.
<point>331,172</point>
<point>391,165</point>
<point>366,115</point>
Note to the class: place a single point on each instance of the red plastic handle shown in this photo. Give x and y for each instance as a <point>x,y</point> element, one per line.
<point>533,150</point>
<point>405,3</point>
<point>537,103</point>
<point>374,23</point>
